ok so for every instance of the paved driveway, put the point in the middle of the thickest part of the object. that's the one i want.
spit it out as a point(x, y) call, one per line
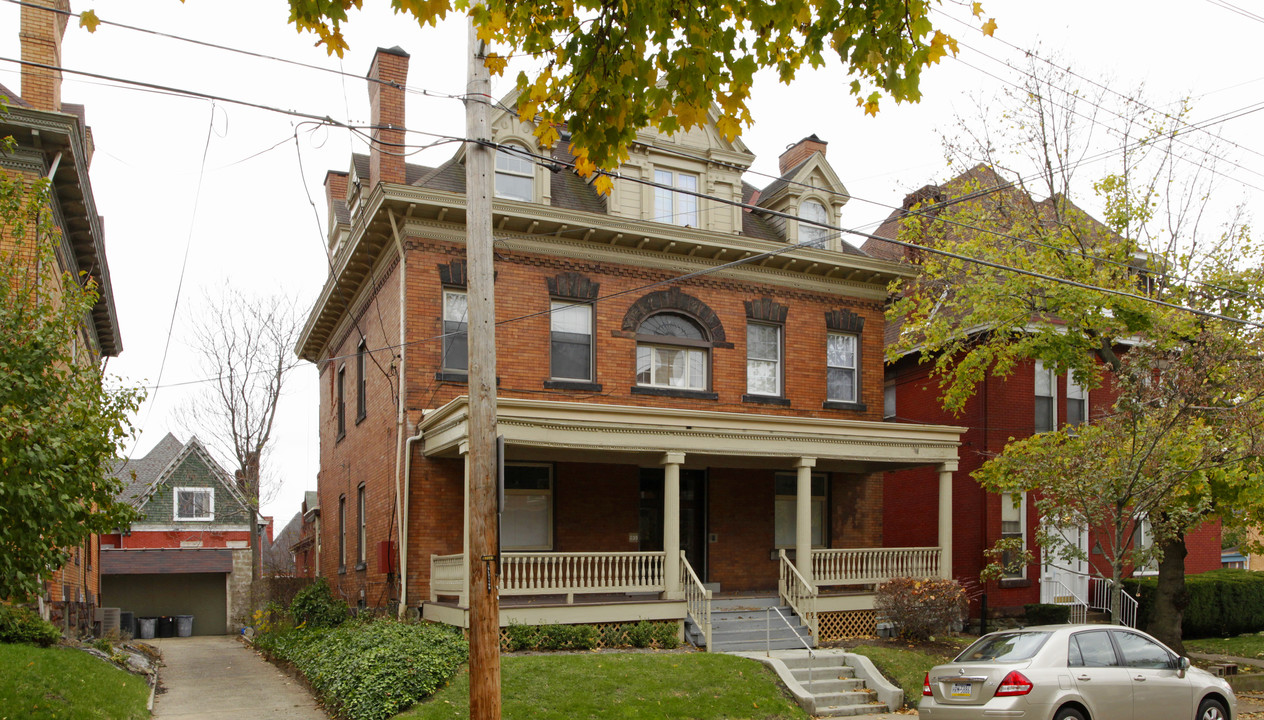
point(220, 678)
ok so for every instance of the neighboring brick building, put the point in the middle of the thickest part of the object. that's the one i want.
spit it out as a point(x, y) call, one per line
point(632, 357)
point(189, 553)
point(1029, 399)
point(54, 142)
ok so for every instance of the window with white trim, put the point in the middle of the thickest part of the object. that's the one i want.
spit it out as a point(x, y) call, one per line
point(342, 401)
point(526, 520)
point(672, 351)
point(362, 545)
point(196, 504)
point(763, 359)
point(342, 533)
point(1076, 401)
point(1046, 389)
point(1014, 525)
point(814, 234)
point(841, 367)
point(675, 207)
point(888, 401)
point(786, 510)
point(456, 326)
point(515, 176)
point(362, 397)
point(1143, 541)
point(570, 341)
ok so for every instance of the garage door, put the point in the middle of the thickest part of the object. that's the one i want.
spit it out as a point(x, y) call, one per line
point(202, 595)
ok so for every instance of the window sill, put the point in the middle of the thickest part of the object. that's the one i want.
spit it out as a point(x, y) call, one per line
point(840, 405)
point(1007, 583)
point(453, 377)
point(576, 385)
point(766, 400)
point(342, 569)
point(360, 566)
point(674, 392)
point(361, 418)
point(341, 435)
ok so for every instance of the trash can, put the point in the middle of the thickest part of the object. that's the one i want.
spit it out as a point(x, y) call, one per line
point(166, 626)
point(147, 627)
point(184, 625)
point(127, 624)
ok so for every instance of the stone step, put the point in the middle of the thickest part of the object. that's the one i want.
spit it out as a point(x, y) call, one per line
point(834, 664)
point(850, 710)
point(848, 697)
point(759, 634)
point(745, 602)
point(756, 645)
point(822, 682)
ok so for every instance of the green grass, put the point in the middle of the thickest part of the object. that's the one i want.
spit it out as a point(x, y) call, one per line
point(1247, 646)
point(905, 667)
point(65, 684)
point(624, 686)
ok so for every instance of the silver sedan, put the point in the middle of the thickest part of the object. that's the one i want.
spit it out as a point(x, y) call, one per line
point(1073, 672)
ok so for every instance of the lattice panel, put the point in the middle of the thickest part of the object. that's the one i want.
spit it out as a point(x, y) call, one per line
point(847, 624)
point(609, 635)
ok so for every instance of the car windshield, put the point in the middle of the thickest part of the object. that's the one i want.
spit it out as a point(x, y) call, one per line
point(1004, 647)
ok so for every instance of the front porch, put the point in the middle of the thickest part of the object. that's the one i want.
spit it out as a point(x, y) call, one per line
point(707, 503)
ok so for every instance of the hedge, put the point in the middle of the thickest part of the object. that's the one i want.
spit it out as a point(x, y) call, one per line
point(23, 625)
point(1222, 603)
point(587, 637)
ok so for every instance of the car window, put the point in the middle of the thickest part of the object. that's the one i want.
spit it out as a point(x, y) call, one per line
point(1004, 647)
point(1091, 649)
point(1142, 652)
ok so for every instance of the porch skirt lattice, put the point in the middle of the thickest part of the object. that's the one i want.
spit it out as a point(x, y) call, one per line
point(847, 624)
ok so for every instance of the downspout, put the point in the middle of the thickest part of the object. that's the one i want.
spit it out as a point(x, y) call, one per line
point(401, 504)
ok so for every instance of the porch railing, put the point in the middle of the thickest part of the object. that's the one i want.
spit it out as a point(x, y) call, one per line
point(697, 598)
point(795, 591)
point(1060, 594)
point(551, 573)
point(447, 576)
point(870, 566)
point(1100, 599)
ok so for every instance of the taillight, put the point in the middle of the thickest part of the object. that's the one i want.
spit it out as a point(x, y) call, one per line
point(926, 685)
point(1015, 683)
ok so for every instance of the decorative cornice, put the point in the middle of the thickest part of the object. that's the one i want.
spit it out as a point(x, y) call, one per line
point(844, 320)
point(766, 309)
point(574, 286)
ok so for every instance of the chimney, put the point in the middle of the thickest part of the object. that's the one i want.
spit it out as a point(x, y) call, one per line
point(41, 34)
point(795, 154)
point(386, 104)
point(335, 198)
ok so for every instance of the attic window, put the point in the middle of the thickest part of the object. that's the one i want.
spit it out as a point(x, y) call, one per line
point(195, 504)
point(814, 235)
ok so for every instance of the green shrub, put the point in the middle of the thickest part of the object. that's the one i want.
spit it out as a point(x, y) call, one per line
point(641, 634)
point(522, 637)
point(1222, 603)
point(315, 606)
point(1047, 614)
point(666, 635)
point(921, 607)
point(23, 625)
point(373, 670)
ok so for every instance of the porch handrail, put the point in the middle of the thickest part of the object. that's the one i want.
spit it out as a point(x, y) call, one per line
point(1100, 600)
point(1078, 605)
point(697, 598)
point(871, 566)
point(553, 573)
point(795, 591)
point(447, 575)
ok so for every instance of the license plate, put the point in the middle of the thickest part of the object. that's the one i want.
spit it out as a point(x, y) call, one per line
point(961, 690)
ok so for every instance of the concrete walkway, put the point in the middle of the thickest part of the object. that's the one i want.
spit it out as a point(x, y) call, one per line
point(220, 678)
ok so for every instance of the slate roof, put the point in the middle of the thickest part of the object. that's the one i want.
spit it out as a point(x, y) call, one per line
point(754, 225)
point(13, 98)
point(146, 469)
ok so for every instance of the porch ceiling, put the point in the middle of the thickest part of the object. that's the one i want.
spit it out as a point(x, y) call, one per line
point(583, 432)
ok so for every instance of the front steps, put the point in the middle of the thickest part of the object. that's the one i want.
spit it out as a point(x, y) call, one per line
point(834, 683)
point(748, 624)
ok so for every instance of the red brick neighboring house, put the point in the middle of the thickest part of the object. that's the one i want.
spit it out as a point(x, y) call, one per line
point(632, 399)
point(306, 548)
point(1031, 399)
point(54, 142)
point(189, 553)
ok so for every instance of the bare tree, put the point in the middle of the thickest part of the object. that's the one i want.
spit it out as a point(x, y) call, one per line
point(246, 346)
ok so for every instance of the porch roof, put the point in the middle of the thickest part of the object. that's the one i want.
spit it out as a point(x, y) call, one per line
point(592, 432)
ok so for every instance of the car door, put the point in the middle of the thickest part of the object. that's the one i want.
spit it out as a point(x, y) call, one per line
point(1099, 676)
point(1160, 691)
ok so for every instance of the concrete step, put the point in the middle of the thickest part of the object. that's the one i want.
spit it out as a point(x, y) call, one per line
point(850, 710)
point(849, 697)
point(744, 602)
point(833, 664)
point(819, 685)
point(755, 645)
point(734, 635)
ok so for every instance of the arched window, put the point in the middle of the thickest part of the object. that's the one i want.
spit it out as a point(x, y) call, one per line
point(672, 351)
point(515, 176)
point(815, 234)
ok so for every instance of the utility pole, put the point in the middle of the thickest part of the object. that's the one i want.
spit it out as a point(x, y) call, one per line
point(481, 301)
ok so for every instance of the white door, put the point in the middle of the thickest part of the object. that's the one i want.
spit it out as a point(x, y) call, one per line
point(1061, 577)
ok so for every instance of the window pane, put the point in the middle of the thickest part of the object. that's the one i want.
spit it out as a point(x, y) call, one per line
point(644, 363)
point(527, 477)
point(1140, 652)
point(193, 504)
point(888, 401)
point(1044, 414)
point(1095, 649)
point(761, 377)
point(687, 205)
point(841, 384)
point(663, 206)
point(525, 521)
point(1044, 380)
point(814, 211)
point(455, 346)
point(570, 356)
point(671, 325)
point(697, 369)
point(763, 342)
point(786, 511)
point(571, 318)
point(513, 187)
point(841, 351)
point(455, 307)
point(1075, 411)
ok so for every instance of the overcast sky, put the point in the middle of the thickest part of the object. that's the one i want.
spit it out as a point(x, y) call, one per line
point(230, 186)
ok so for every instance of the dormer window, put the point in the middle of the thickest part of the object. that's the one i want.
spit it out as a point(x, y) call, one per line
point(515, 176)
point(675, 207)
point(814, 235)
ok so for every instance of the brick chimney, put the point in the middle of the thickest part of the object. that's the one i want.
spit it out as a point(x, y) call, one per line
point(800, 151)
point(41, 34)
point(335, 198)
point(386, 104)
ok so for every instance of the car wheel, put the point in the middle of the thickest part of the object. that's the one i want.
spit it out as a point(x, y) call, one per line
point(1070, 713)
point(1211, 710)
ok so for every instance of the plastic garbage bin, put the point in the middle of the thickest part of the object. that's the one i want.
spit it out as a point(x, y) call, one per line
point(166, 626)
point(148, 625)
point(184, 625)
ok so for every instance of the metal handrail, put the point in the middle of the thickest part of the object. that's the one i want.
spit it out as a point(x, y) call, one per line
point(1100, 600)
point(768, 638)
point(1079, 607)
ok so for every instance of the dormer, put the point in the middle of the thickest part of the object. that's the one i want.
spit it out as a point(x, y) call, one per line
point(810, 189)
point(339, 212)
point(520, 173)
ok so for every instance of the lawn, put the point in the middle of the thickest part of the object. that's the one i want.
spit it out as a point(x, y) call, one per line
point(906, 665)
point(1247, 646)
point(65, 684)
point(624, 686)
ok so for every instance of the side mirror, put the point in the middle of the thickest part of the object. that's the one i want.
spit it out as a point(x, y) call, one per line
point(1181, 666)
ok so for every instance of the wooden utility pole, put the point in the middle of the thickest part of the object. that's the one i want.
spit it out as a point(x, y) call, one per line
point(481, 300)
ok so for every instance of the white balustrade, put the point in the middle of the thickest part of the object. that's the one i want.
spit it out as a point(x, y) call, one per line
point(447, 575)
point(550, 573)
point(870, 566)
point(697, 598)
point(795, 591)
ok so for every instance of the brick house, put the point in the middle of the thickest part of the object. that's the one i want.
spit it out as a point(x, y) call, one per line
point(646, 383)
point(306, 548)
point(54, 142)
point(189, 553)
point(1029, 400)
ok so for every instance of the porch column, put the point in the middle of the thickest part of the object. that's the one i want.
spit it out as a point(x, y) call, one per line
point(463, 598)
point(945, 519)
point(803, 518)
point(671, 524)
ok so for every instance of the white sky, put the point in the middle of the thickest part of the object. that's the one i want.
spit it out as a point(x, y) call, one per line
point(253, 226)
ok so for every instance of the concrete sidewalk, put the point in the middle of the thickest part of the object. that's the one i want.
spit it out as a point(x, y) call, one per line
point(220, 678)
